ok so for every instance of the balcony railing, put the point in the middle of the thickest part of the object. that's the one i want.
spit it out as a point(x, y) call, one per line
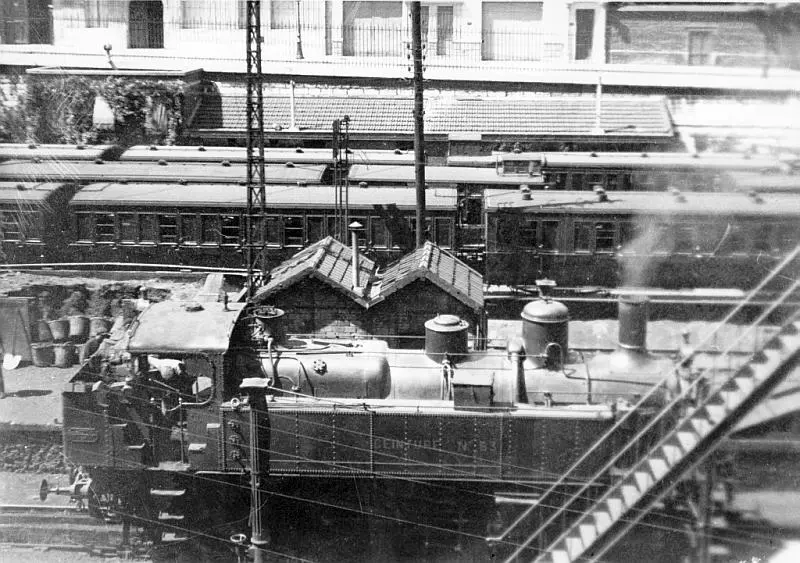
point(189, 35)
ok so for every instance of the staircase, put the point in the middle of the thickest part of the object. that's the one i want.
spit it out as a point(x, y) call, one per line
point(584, 524)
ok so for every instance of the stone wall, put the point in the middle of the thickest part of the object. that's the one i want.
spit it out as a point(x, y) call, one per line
point(663, 38)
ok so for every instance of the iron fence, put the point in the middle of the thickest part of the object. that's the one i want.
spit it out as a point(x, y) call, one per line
point(199, 32)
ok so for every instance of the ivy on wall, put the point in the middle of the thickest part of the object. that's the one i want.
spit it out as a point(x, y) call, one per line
point(12, 113)
point(60, 110)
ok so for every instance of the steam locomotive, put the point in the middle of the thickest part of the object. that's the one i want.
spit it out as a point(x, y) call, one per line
point(214, 413)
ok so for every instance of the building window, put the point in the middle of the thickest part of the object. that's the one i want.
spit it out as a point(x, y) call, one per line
point(699, 47)
point(241, 13)
point(192, 14)
point(93, 9)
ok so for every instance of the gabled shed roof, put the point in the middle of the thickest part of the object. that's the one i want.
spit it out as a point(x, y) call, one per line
point(437, 266)
point(328, 261)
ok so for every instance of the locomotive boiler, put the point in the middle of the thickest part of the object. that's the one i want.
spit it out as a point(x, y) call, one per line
point(216, 415)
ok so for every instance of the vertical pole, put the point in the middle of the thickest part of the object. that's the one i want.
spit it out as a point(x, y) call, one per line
point(299, 54)
point(292, 118)
point(598, 104)
point(256, 198)
point(419, 120)
point(258, 425)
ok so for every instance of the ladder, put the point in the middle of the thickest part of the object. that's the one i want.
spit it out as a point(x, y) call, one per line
point(585, 523)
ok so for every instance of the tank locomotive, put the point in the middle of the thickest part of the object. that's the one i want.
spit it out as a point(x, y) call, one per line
point(212, 395)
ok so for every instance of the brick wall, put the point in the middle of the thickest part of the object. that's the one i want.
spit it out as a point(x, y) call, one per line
point(663, 38)
point(313, 307)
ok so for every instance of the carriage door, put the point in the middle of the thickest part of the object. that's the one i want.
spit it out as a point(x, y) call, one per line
point(145, 25)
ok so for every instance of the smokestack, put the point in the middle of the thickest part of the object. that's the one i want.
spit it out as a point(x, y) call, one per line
point(633, 323)
point(354, 227)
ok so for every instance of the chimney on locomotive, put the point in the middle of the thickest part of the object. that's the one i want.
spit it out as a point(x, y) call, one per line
point(268, 324)
point(633, 318)
point(545, 330)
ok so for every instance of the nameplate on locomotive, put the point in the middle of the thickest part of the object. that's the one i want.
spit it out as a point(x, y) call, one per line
point(81, 435)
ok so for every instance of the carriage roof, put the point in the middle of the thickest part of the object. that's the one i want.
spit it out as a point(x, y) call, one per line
point(277, 196)
point(435, 174)
point(656, 203)
point(143, 153)
point(20, 151)
point(98, 171)
point(27, 192)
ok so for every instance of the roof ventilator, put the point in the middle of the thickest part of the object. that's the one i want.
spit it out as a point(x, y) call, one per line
point(601, 193)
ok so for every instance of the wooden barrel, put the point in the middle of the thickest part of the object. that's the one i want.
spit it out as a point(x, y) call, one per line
point(59, 328)
point(42, 354)
point(64, 354)
point(78, 328)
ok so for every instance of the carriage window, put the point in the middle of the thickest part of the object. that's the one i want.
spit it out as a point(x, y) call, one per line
point(612, 182)
point(362, 232)
point(628, 232)
point(642, 181)
point(256, 224)
point(763, 241)
point(661, 181)
point(471, 211)
point(127, 227)
point(104, 226)
point(604, 236)
point(684, 239)
point(549, 240)
point(786, 236)
point(293, 230)
point(9, 226)
point(515, 166)
point(31, 226)
point(707, 236)
point(583, 236)
point(444, 232)
point(577, 182)
point(593, 180)
point(660, 237)
point(315, 229)
point(507, 225)
point(189, 229)
point(733, 240)
point(556, 179)
point(274, 231)
point(379, 237)
point(84, 226)
point(147, 227)
point(230, 229)
point(209, 229)
point(168, 228)
point(527, 232)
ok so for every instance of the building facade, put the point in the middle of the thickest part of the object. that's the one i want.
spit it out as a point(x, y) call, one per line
point(458, 33)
